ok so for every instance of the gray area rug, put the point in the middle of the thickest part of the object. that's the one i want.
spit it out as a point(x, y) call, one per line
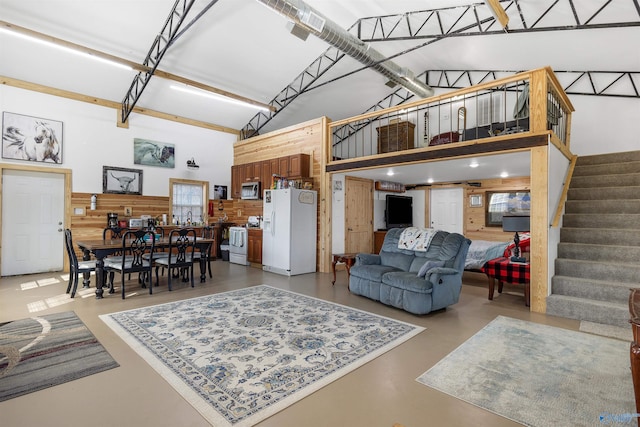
point(539, 375)
point(44, 351)
point(239, 357)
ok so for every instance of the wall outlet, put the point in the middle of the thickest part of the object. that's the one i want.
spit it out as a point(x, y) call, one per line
point(128, 211)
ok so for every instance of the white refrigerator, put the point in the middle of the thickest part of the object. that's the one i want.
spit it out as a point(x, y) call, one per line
point(289, 231)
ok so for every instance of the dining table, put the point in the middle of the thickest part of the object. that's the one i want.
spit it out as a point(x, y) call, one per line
point(101, 249)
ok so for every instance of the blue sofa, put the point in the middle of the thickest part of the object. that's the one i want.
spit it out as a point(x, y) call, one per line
point(392, 276)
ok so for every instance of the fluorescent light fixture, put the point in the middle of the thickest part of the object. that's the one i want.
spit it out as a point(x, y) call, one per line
point(65, 48)
point(205, 94)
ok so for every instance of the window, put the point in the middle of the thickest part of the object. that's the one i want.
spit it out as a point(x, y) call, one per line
point(188, 199)
point(508, 203)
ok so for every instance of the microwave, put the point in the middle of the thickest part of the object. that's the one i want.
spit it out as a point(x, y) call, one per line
point(250, 191)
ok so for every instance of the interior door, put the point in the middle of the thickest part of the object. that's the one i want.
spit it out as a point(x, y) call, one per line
point(32, 222)
point(447, 209)
point(358, 217)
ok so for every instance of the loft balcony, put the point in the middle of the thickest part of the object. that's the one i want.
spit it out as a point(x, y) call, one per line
point(518, 112)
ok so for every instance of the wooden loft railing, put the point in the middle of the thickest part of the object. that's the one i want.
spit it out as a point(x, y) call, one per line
point(516, 112)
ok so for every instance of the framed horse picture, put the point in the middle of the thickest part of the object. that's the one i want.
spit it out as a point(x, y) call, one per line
point(31, 138)
point(121, 180)
point(153, 153)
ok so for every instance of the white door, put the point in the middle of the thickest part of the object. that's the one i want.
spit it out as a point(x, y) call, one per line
point(32, 222)
point(447, 209)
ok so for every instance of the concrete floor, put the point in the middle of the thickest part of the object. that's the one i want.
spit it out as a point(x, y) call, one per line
point(380, 393)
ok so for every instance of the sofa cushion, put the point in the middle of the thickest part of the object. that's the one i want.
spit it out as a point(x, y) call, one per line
point(372, 272)
point(428, 265)
point(407, 281)
point(398, 260)
point(450, 248)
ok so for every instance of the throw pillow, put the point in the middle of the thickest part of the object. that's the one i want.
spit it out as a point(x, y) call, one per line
point(428, 266)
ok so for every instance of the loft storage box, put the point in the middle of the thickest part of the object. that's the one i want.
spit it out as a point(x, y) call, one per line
point(396, 136)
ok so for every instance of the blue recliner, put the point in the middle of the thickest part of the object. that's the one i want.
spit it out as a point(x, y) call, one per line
point(415, 281)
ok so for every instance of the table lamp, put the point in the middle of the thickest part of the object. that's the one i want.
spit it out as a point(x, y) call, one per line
point(516, 223)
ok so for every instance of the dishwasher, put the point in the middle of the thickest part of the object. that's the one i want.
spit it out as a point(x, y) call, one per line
point(238, 245)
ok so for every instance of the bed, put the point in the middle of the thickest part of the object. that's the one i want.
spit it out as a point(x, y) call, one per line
point(481, 251)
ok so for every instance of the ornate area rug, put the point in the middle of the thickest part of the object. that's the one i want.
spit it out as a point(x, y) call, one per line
point(539, 375)
point(44, 351)
point(240, 356)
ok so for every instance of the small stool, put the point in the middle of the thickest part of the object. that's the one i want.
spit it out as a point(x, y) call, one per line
point(347, 259)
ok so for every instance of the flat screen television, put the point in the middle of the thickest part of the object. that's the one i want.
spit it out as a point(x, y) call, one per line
point(399, 211)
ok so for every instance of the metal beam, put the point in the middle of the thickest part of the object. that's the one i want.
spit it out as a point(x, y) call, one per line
point(155, 54)
point(460, 21)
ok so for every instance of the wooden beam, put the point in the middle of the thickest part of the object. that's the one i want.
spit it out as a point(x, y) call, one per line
point(134, 65)
point(112, 104)
point(498, 12)
point(539, 229)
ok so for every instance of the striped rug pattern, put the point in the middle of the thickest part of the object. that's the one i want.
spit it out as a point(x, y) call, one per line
point(44, 351)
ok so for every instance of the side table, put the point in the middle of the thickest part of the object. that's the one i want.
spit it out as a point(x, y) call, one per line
point(347, 259)
point(503, 270)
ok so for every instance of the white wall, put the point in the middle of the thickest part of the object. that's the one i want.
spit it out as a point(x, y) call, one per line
point(603, 124)
point(91, 140)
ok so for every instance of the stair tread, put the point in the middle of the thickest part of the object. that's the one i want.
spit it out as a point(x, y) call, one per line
point(598, 281)
point(610, 304)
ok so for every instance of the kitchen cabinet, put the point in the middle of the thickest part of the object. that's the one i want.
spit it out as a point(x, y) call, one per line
point(396, 137)
point(299, 166)
point(295, 166)
point(266, 175)
point(254, 245)
point(236, 181)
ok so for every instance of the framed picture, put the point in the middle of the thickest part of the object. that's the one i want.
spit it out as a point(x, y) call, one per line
point(121, 181)
point(220, 192)
point(475, 200)
point(153, 153)
point(31, 138)
point(506, 203)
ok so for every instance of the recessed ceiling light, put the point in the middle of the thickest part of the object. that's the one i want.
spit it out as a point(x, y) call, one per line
point(430, 180)
point(390, 173)
point(474, 164)
point(504, 175)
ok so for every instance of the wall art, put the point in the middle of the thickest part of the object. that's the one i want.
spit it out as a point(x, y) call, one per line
point(31, 138)
point(121, 180)
point(153, 153)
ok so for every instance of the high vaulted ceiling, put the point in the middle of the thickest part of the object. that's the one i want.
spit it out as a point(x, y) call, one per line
point(245, 48)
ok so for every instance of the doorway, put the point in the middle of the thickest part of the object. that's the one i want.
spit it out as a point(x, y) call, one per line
point(358, 215)
point(34, 205)
point(446, 209)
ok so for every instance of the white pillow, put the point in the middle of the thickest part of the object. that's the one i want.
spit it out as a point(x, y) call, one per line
point(428, 266)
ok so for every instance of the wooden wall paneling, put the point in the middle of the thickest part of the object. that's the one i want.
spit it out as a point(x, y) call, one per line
point(540, 229)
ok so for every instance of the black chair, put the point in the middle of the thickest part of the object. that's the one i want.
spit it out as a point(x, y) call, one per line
point(75, 267)
point(135, 244)
point(111, 233)
point(182, 243)
point(204, 256)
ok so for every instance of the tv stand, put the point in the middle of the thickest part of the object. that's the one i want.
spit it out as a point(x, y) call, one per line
point(378, 240)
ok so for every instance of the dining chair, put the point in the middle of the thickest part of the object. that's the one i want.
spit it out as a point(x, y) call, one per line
point(75, 267)
point(182, 243)
point(203, 256)
point(135, 244)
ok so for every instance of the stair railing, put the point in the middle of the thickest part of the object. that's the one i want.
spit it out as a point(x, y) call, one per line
point(565, 191)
